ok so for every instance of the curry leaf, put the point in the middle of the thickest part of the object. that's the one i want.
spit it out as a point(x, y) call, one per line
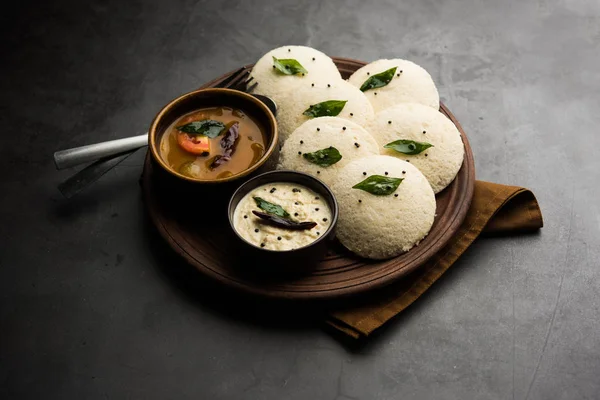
point(379, 185)
point(270, 207)
point(329, 108)
point(409, 147)
point(379, 80)
point(324, 157)
point(289, 66)
point(206, 127)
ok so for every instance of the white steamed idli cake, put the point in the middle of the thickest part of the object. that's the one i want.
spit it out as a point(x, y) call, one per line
point(292, 106)
point(410, 83)
point(383, 226)
point(274, 83)
point(314, 138)
point(416, 122)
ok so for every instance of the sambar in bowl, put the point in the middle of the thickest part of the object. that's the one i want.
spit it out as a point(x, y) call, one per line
point(214, 136)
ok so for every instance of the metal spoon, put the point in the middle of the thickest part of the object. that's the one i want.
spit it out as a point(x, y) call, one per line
point(93, 172)
point(92, 152)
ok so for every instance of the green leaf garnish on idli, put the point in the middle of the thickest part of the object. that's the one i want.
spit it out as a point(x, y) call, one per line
point(379, 185)
point(408, 146)
point(379, 80)
point(288, 66)
point(324, 157)
point(330, 108)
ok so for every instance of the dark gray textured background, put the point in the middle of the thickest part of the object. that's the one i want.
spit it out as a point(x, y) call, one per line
point(93, 306)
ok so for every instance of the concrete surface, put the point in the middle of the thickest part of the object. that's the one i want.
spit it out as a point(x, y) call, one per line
point(93, 305)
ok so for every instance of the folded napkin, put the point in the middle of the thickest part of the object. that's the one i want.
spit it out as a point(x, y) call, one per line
point(495, 209)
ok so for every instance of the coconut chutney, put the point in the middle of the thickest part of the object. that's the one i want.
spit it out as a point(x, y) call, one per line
point(288, 201)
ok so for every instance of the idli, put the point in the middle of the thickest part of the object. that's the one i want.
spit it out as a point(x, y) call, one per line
point(285, 68)
point(386, 206)
point(424, 137)
point(389, 82)
point(322, 146)
point(312, 100)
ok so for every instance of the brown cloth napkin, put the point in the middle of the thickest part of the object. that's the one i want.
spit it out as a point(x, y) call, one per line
point(495, 209)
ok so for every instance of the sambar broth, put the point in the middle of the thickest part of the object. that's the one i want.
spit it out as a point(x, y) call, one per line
point(248, 149)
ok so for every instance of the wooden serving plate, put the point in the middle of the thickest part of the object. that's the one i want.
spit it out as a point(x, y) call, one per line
point(211, 250)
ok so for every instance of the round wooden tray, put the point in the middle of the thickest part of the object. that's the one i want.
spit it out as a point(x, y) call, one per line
point(340, 273)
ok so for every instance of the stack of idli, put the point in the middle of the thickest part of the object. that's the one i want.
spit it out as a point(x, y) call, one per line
point(378, 139)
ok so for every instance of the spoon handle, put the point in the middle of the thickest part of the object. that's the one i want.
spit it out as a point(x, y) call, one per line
point(80, 155)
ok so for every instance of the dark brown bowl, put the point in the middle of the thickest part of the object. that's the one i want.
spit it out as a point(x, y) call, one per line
point(214, 98)
point(303, 258)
